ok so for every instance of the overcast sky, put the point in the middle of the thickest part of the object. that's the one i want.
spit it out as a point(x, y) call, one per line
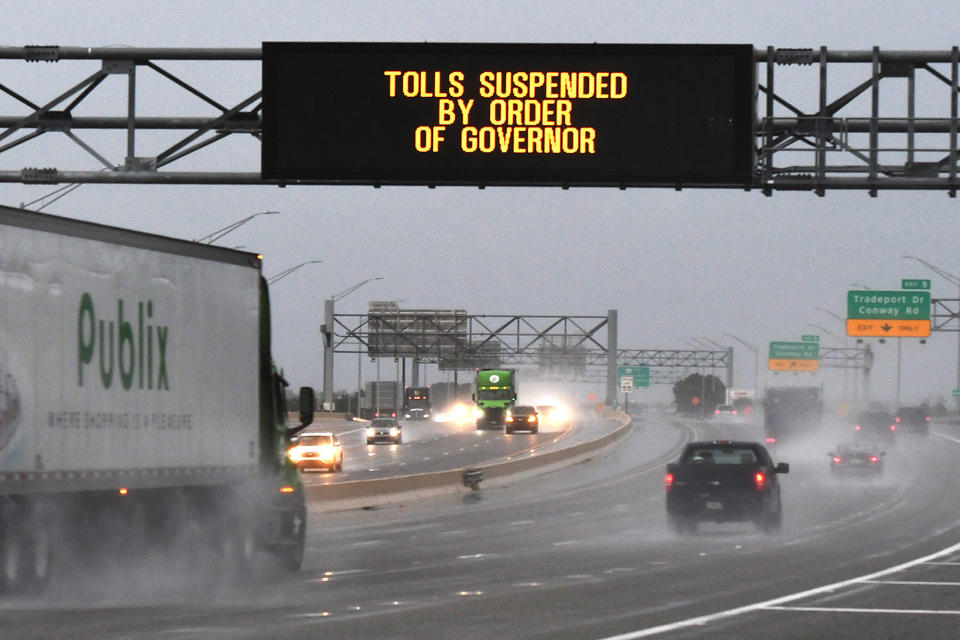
point(676, 265)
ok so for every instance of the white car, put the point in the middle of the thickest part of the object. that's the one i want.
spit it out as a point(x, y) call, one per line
point(317, 451)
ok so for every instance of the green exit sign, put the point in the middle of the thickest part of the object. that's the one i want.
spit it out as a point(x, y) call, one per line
point(640, 375)
point(794, 350)
point(914, 284)
point(888, 305)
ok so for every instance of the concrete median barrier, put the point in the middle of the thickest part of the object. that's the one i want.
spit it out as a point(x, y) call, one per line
point(380, 492)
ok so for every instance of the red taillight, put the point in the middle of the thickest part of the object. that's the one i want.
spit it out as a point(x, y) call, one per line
point(893, 427)
point(393, 415)
point(734, 412)
point(897, 418)
point(761, 480)
point(837, 459)
point(771, 440)
point(717, 412)
point(928, 418)
point(857, 427)
point(669, 480)
point(874, 459)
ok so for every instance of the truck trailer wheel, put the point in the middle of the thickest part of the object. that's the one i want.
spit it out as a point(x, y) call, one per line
point(290, 552)
point(239, 549)
point(11, 558)
point(38, 558)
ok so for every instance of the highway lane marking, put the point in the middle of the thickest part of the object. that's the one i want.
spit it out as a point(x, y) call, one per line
point(921, 612)
point(773, 604)
point(917, 583)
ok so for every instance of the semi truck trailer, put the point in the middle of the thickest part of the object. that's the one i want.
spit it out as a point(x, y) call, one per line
point(791, 412)
point(416, 405)
point(139, 403)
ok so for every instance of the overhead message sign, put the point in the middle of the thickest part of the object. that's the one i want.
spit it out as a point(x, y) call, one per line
point(794, 356)
point(508, 114)
point(882, 314)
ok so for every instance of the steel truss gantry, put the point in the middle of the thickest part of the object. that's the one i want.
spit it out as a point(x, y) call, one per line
point(845, 139)
point(945, 314)
point(569, 348)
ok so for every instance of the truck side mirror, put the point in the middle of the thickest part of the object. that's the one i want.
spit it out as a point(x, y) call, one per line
point(672, 467)
point(307, 405)
point(473, 397)
point(783, 467)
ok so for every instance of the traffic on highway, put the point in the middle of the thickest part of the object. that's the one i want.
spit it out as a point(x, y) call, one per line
point(586, 550)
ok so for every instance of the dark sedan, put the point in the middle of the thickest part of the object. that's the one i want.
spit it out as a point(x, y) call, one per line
point(522, 418)
point(384, 430)
point(856, 458)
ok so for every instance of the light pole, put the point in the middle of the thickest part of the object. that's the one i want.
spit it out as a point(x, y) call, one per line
point(843, 323)
point(729, 351)
point(756, 361)
point(955, 281)
point(283, 274)
point(820, 327)
point(326, 330)
point(210, 238)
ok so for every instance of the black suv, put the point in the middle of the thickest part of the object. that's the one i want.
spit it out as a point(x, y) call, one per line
point(914, 419)
point(875, 424)
point(724, 481)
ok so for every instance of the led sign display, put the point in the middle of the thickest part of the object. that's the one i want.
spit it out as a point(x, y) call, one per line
point(508, 114)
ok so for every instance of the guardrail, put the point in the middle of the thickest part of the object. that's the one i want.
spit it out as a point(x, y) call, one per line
point(343, 496)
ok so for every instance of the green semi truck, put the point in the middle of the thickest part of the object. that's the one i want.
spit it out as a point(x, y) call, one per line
point(496, 392)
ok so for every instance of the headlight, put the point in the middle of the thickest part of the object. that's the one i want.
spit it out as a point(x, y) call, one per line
point(326, 452)
point(371, 432)
point(294, 453)
point(393, 432)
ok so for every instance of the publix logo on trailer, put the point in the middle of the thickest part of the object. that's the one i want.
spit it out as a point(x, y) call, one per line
point(494, 378)
point(136, 353)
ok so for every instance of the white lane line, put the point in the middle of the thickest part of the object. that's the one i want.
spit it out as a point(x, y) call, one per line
point(914, 583)
point(913, 612)
point(700, 621)
point(944, 564)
